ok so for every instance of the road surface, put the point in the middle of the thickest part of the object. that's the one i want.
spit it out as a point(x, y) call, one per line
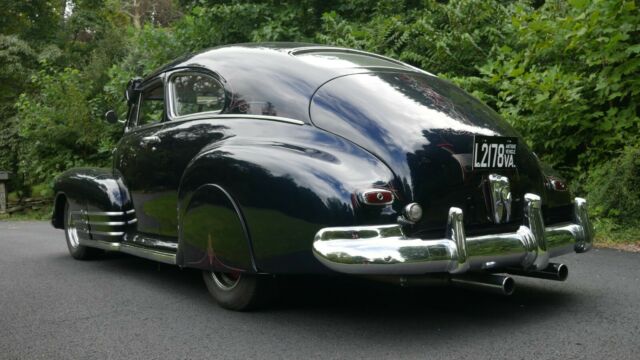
point(120, 307)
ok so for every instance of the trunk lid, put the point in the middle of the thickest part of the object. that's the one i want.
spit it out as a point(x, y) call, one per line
point(423, 128)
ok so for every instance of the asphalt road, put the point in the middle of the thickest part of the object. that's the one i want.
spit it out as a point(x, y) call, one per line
point(119, 307)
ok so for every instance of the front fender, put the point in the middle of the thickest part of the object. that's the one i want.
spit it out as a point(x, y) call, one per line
point(288, 189)
point(98, 195)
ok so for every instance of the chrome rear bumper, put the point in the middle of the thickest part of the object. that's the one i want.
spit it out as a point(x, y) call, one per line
point(385, 250)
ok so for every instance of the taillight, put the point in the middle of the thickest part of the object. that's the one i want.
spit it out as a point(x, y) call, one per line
point(556, 184)
point(376, 197)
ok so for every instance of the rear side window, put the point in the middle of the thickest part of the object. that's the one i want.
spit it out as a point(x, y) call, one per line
point(196, 93)
point(151, 109)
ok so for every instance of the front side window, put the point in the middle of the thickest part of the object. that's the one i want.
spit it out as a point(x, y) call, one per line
point(195, 93)
point(151, 109)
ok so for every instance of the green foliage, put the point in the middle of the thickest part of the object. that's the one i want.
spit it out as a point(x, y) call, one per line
point(614, 188)
point(33, 21)
point(17, 59)
point(146, 50)
point(569, 79)
point(565, 73)
point(220, 24)
point(58, 128)
point(614, 195)
point(448, 38)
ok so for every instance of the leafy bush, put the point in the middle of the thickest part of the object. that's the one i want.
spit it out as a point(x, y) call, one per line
point(58, 128)
point(17, 58)
point(569, 79)
point(448, 38)
point(565, 73)
point(614, 188)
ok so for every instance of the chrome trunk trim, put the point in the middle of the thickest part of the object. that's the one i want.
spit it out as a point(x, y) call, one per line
point(385, 250)
point(500, 196)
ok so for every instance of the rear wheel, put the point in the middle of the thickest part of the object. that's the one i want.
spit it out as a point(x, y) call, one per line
point(236, 291)
point(77, 251)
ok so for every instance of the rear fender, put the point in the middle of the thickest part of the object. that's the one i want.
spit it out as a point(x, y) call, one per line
point(284, 191)
point(213, 234)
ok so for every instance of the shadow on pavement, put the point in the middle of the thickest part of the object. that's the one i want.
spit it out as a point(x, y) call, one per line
point(347, 298)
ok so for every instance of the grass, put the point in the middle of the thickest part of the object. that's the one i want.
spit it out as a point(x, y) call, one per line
point(38, 212)
point(43, 213)
point(616, 236)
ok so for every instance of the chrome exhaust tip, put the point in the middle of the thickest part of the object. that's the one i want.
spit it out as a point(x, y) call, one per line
point(497, 284)
point(557, 272)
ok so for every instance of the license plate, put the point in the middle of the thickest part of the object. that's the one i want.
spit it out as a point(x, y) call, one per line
point(494, 152)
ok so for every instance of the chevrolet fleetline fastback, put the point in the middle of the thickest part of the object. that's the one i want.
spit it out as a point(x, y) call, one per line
point(258, 160)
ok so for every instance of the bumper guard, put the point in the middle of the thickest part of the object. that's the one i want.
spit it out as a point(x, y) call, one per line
point(385, 250)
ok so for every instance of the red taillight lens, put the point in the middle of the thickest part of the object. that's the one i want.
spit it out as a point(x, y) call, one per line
point(376, 197)
point(556, 184)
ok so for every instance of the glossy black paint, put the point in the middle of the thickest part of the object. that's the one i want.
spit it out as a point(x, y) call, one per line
point(92, 189)
point(248, 194)
point(212, 221)
point(423, 127)
point(288, 180)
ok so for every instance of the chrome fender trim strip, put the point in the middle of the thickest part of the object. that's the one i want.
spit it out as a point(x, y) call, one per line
point(98, 225)
point(151, 254)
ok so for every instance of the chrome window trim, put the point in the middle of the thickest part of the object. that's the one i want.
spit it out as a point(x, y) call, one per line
point(214, 115)
point(146, 87)
point(320, 49)
point(170, 93)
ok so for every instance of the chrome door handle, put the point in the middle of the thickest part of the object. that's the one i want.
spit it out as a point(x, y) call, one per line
point(149, 140)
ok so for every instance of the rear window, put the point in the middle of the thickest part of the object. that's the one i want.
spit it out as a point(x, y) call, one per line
point(346, 59)
point(387, 112)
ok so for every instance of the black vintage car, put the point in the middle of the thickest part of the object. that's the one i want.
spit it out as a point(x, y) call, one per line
point(257, 160)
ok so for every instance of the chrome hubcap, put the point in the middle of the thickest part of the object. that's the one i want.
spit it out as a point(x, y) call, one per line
point(72, 232)
point(226, 281)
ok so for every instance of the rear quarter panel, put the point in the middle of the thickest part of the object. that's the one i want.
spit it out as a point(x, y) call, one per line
point(288, 182)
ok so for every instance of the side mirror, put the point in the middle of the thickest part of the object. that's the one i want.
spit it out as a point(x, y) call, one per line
point(132, 92)
point(111, 117)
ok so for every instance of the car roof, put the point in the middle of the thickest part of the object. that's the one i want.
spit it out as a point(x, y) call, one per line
point(264, 53)
point(273, 72)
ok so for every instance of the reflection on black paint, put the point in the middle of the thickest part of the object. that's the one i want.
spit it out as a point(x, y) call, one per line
point(423, 128)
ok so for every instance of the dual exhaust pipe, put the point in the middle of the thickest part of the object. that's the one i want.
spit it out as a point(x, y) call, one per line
point(497, 284)
point(504, 284)
point(493, 283)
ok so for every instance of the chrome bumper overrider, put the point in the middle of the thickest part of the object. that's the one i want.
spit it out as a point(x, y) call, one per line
point(385, 250)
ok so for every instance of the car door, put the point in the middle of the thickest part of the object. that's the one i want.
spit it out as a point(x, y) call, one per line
point(194, 99)
point(143, 164)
